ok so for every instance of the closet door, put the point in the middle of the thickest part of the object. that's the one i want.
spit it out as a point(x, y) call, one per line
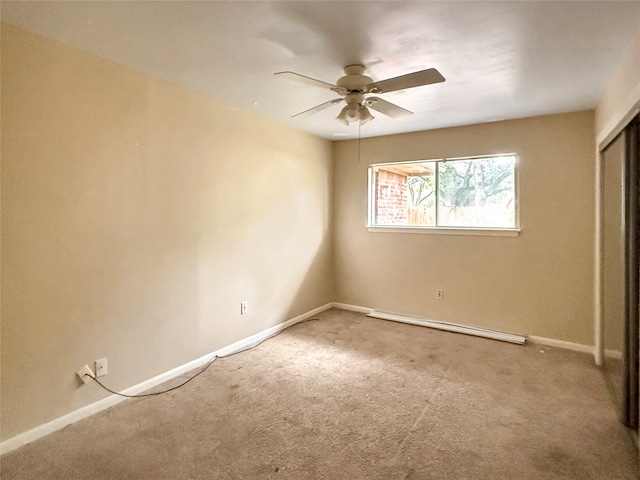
point(620, 269)
point(613, 266)
point(632, 270)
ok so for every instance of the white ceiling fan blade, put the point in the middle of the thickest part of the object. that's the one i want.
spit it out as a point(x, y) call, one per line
point(304, 79)
point(410, 80)
point(387, 108)
point(318, 108)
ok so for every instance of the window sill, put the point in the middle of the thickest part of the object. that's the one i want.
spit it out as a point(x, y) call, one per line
point(488, 232)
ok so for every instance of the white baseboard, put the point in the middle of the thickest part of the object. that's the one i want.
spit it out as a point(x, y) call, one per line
point(615, 354)
point(450, 327)
point(551, 342)
point(108, 402)
point(84, 412)
point(352, 308)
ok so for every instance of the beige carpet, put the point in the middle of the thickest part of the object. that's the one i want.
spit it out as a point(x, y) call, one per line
point(349, 397)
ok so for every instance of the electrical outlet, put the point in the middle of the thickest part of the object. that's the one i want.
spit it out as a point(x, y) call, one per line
point(440, 294)
point(243, 308)
point(101, 367)
point(84, 373)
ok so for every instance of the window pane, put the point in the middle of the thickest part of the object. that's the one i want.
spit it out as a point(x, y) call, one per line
point(404, 194)
point(477, 192)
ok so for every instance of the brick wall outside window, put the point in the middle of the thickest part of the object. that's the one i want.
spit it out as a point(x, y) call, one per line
point(391, 198)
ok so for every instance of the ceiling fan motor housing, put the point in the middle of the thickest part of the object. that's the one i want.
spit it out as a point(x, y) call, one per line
point(354, 80)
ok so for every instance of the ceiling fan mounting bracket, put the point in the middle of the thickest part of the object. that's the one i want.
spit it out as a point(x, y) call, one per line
point(355, 69)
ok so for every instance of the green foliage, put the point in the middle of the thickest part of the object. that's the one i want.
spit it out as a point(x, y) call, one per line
point(464, 183)
point(421, 191)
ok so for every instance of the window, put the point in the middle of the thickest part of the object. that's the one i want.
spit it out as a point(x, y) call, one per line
point(467, 193)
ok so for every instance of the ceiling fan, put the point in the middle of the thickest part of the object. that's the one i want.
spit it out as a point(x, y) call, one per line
point(355, 89)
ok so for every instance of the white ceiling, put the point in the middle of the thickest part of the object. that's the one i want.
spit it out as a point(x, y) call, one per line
point(501, 60)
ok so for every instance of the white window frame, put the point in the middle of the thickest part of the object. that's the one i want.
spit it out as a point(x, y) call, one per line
point(445, 230)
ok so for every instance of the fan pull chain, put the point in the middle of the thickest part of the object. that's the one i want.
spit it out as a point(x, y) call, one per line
point(359, 142)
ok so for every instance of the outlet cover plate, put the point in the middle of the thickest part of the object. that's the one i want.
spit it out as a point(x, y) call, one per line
point(101, 367)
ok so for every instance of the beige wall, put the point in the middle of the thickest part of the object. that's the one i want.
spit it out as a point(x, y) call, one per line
point(622, 93)
point(136, 215)
point(539, 283)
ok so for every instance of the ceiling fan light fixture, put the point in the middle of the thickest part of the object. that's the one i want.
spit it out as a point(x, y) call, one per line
point(342, 116)
point(365, 115)
point(351, 113)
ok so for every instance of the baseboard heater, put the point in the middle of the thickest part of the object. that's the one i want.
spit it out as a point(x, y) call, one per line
point(449, 327)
